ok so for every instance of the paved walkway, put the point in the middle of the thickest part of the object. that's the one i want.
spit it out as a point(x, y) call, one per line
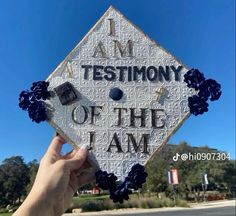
point(133, 211)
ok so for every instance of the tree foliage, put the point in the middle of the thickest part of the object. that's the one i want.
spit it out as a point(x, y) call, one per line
point(221, 173)
point(16, 178)
point(33, 167)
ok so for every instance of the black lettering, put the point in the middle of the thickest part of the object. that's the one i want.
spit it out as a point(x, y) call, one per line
point(177, 71)
point(119, 122)
point(112, 27)
point(86, 70)
point(91, 140)
point(136, 146)
point(122, 70)
point(93, 113)
point(155, 117)
point(164, 73)
point(99, 51)
point(152, 73)
point(129, 73)
point(74, 111)
point(126, 51)
point(96, 73)
point(142, 117)
point(110, 74)
point(116, 144)
point(139, 71)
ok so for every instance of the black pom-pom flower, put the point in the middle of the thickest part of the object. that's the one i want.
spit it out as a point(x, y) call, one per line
point(210, 89)
point(104, 180)
point(119, 193)
point(32, 101)
point(194, 78)
point(24, 100)
point(207, 89)
point(37, 111)
point(136, 177)
point(40, 90)
point(197, 105)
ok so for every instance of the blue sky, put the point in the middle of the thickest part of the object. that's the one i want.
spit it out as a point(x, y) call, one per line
point(35, 36)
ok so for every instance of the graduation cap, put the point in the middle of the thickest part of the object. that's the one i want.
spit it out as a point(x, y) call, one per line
point(121, 93)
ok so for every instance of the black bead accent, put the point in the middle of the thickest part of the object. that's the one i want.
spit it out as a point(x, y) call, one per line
point(116, 94)
point(66, 93)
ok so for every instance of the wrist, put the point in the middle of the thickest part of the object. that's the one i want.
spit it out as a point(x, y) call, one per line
point(35, 204)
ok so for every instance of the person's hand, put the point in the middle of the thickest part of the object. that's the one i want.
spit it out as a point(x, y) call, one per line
point(57, 180)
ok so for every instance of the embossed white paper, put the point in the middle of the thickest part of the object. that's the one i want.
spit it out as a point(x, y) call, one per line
point(115, 53)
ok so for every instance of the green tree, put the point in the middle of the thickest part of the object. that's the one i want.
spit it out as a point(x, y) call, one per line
point(157, 169)
point(33, 167)
point(220, 172)
point(14, 179)
point(230, 177)
point(2, 189)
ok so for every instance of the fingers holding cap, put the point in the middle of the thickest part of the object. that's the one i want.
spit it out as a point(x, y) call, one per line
point(85, 179)
point(79, 158)
point(56, 144)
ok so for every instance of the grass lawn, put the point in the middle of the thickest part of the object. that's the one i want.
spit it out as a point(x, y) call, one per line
point(88, 202)
point(91, 197)
point(88, 197)
point(5, 214)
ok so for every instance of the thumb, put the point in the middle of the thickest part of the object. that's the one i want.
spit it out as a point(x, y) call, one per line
point(77, 161)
